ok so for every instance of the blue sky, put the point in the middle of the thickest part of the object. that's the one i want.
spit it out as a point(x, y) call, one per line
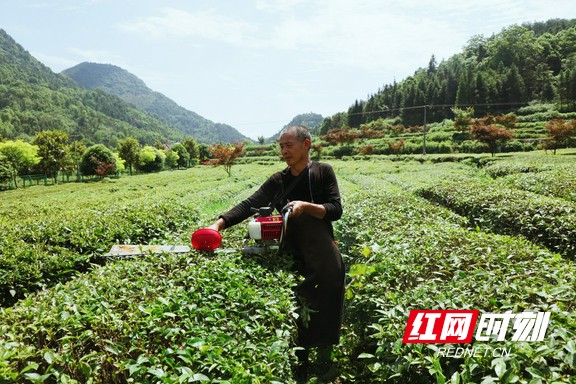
point(255, 64)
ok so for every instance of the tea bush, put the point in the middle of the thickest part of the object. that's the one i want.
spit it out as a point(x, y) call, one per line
point(163, 318)
point(541, 219)
point(49, 234)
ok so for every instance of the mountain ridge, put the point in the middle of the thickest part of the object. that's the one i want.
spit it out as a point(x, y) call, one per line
point(128, 87)
point(33, 98)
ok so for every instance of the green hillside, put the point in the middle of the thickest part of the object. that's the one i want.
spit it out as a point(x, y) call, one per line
point(33, 98)
point(119, 82)
point(523, 65)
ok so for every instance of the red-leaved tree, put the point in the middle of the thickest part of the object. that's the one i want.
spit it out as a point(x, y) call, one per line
point(493, 135)
point(559, 132)
point(226, 155)
point(102, 168)
point(396, 147)
point(340, 136)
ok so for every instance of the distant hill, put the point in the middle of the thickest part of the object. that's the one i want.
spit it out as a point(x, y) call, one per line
point(121, 83)
point(311, 120)
point(33, 98)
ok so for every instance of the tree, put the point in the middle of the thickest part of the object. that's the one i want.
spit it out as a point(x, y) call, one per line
point(226, 155)
point(128, 151)
point(355, 114)
point(53, 148)
point(336, 121)
point(396, 147)
point(204, 153)
point(317, 149)
point(559, 133)
point(261, 140)
point(5, 171)
point(171, 159)
point(98, 160)
point(73, 158)
point(465, 92)
point(341, 137)
point(192, 148)
point(513, 86)
point(493, 135)
point(183, 155)
point(507, 121)
point(18, 155)
point(120, 162)
point(462, 118)
point(432, 65)
point(150, 159)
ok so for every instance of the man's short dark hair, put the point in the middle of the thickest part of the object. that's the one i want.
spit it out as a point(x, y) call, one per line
point(300, 131)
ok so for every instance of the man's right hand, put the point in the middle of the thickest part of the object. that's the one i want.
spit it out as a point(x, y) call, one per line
point(218, 225)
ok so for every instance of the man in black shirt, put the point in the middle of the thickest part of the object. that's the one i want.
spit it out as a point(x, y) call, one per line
point(315, 202)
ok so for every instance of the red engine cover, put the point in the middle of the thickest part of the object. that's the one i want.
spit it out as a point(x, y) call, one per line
point(271, 227)
point(206, 239)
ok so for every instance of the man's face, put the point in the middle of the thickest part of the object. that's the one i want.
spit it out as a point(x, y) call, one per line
point(294, 151)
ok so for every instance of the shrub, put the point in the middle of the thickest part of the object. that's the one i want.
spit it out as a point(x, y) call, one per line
point(98, 160)
point(150, 159)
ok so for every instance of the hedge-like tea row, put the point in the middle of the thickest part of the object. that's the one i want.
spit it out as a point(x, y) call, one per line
point(553, 176)
point(51, 233)
point(554, 183)
point(160, 318)
point(541, 219)
point(524, 163)
point(407, 253)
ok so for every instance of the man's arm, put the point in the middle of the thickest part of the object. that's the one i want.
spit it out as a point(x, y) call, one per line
point(333, 203)
point(262, 197)
point(331, 208)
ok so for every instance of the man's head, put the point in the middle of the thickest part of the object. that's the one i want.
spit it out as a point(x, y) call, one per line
point(300, 131)
point(295, 142)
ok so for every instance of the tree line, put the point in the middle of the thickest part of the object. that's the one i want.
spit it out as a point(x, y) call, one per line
point(492, 131)
point(51, 152)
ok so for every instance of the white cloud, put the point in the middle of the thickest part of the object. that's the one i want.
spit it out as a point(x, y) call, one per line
point(279, 5)
point(205, 24)
point(362, 34)
point(365, 34)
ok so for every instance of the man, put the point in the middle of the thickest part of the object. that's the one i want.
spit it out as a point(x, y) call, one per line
point(311, 190)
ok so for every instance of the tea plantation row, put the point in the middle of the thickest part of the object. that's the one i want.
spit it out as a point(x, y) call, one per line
point(50, 233)
point(414, 254)
point(228, 318)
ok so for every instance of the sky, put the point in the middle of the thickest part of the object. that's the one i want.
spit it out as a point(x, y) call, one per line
point(256, 64)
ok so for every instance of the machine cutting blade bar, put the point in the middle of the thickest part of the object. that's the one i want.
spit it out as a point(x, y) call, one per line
point(124, 250)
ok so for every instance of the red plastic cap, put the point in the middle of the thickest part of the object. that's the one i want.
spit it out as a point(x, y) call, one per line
point(206, 239)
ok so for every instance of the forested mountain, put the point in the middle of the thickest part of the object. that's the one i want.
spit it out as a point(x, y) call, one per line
point(532, 63)
point(33, 98)
point(119, 82)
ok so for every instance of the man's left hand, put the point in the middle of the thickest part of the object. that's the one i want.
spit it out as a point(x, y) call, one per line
point(305, 208)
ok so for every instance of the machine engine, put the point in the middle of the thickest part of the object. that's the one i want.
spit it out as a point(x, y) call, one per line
point(265, 230)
